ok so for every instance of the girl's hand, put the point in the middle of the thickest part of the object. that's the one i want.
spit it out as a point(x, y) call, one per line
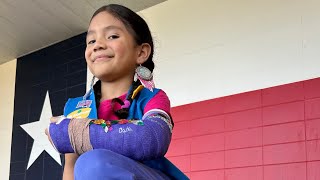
point(47, 133)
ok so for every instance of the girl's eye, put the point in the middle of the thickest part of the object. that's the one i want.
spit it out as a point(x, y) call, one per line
point(113, 37)
point(92, 41)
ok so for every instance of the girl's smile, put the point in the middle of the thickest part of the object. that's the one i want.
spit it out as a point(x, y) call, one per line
point(102, 58)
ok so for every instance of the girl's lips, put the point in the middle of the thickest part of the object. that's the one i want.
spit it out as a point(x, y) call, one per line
point(102, 58)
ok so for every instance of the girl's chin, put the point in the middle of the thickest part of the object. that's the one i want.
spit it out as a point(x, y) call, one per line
point(100, 71)
point(103, 76)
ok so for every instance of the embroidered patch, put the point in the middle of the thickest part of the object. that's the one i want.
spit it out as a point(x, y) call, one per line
point(80, 113)
point(84, 103)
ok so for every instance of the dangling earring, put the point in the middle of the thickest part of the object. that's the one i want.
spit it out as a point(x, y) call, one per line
point(145, 77)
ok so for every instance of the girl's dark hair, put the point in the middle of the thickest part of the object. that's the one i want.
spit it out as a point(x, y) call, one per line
point(140, 31)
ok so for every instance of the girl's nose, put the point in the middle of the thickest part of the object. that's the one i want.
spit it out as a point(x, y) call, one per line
point(100, 45)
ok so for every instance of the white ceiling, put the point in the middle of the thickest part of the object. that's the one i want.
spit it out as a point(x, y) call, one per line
point(30, 25)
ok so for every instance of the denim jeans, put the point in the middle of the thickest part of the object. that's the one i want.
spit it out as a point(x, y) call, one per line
point(102, 164)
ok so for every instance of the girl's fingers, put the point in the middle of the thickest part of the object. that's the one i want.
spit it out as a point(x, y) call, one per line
point(47, 133)
point(53, 119)
point(57, 119)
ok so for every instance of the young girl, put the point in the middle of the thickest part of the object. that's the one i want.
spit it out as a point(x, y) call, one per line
point(133, 132)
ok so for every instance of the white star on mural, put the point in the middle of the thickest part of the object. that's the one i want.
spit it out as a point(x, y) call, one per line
point(36, 131)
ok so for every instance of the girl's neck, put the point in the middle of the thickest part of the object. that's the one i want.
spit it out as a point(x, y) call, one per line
point(110, 90)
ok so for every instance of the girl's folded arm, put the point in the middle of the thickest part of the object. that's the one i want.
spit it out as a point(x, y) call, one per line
point(134, 140)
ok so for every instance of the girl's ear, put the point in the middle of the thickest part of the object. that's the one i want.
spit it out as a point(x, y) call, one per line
point(144, 53)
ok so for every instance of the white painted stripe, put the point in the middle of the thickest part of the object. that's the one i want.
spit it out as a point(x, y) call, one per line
point(7, 86)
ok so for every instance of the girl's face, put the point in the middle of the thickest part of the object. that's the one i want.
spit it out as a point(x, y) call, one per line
point(111, 52)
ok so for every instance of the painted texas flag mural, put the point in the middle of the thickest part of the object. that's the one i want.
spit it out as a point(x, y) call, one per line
point(36, 131)
point(44, 82)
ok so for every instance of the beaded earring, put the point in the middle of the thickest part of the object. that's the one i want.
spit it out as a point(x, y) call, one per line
point(145, 76)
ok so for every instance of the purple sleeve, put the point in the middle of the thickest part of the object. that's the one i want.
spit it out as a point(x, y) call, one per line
point(139, 142)
point(60, 136)
point(145, 142)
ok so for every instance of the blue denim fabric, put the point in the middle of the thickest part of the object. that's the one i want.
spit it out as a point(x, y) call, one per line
point(101, 164)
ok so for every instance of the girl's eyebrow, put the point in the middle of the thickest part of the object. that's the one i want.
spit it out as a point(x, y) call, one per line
point(108, 28)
